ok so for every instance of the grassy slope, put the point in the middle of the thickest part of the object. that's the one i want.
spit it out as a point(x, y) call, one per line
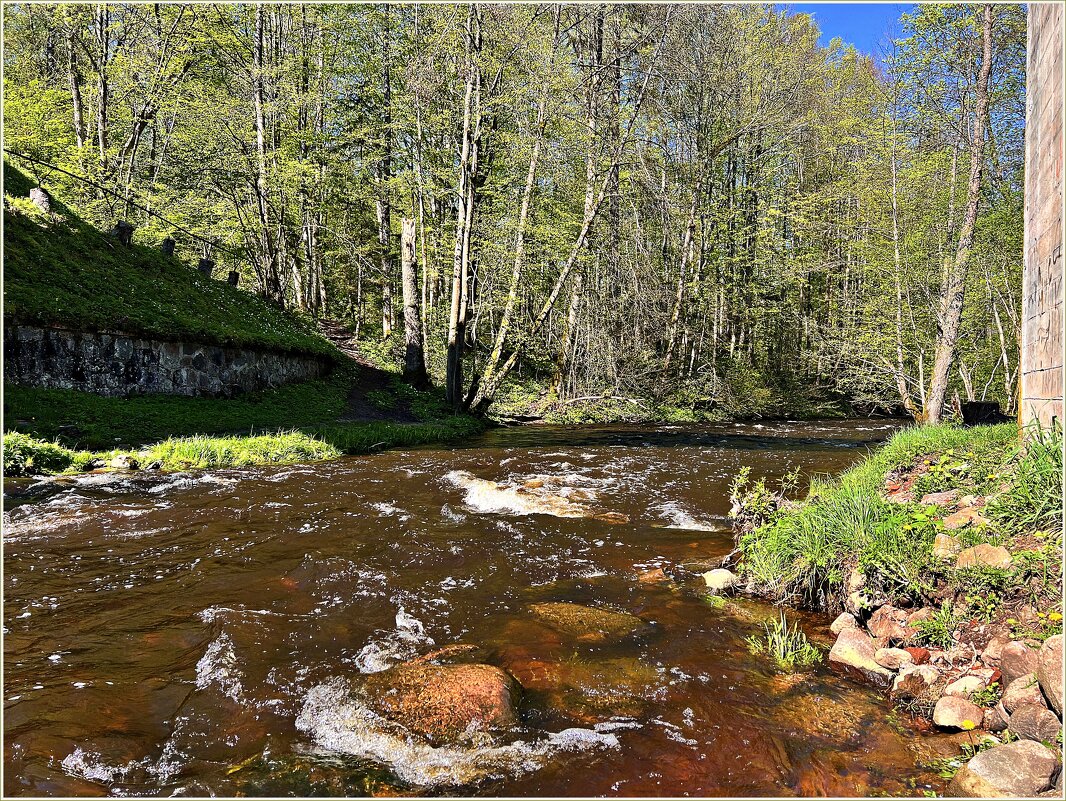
point(806, 553)
point(68, 273)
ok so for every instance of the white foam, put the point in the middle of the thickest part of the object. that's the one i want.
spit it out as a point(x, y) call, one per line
point(395, 646)
point(219, 665)
point(338, 721)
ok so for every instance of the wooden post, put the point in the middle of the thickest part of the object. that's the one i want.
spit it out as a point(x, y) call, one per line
point(414, 367)
point(234, 278)
point(206, 267)
point(124, 232)
point(167, 246)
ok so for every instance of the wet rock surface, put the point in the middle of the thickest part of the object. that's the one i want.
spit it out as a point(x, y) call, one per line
point(589, 624)
point(442, 702)
point(854, 654)
point(1017, 769)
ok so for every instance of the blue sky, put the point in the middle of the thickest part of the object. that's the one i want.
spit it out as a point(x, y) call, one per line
point(868, 26)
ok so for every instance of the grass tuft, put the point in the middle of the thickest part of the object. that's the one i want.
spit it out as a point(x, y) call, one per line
point(785, 644)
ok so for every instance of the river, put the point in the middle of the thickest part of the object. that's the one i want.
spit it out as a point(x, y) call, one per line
point(192, 634)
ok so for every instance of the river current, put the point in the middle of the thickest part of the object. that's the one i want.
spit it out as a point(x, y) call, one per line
point(193, 634)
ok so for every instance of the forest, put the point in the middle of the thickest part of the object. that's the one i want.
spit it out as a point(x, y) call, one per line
point(688, 210)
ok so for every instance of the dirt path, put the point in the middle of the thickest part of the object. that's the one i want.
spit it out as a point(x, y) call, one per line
point(367, 379)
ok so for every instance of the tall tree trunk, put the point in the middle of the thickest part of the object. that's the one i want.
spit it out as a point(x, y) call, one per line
point(954, 284)
point(468, 161)
point(75, 78)
point(384, 208)
point(414, 366)
point(267, 250)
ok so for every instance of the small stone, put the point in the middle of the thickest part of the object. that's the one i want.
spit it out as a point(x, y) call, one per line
point(654, 576)
point(946, 498)
point(1023, 690)
point(856, 580)
point(945, 546)
point(720, 579)
point(965, 687)
point(919, 655)
point(914, 681)
point(1016, 660)
point(984, 555)
point(156, 465)
point(997, 718)
point(843, 621)
point(952, 712)
point(1050, 671)
point(1024, 769)
point(892, 658)
point(972, 501)
point(994, 651)
point(1035, 722)
point(963, 518)
point(853, 655)
point(123, 462)
point(589, 624)
point(889, 623)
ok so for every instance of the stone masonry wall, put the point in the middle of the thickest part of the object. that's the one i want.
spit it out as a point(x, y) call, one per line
point(1042, 306)
point(119, 365)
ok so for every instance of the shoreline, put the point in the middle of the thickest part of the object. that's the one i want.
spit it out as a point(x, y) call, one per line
point(940, 554)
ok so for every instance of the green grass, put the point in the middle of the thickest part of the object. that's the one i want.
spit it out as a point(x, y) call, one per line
point(87, 421)
point(24, 455)
point(67, 272)
point(805, 554)
point(785, 644)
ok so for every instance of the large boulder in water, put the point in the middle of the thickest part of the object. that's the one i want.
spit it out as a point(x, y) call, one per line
point(588, 624)
point(442, 702)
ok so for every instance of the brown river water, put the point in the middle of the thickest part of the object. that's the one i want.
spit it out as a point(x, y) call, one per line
point(194, 634)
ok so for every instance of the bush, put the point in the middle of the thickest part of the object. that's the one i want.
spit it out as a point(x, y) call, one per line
point(26, 456)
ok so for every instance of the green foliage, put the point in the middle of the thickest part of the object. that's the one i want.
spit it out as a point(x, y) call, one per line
point(73, 275)
point(787, 645)
point(939, 628)
point(25, 456)
point(987, 697)
point(807, 552)
point(1033, 498)
point(185, 453)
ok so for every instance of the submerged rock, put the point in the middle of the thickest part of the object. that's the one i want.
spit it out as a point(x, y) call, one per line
point(1049, 672)
point(441, 702)
point(1023, 769)
point(588, 624)
point(853, 655)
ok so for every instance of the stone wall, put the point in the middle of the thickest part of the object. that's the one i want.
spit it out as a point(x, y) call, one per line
point(1042, 306)
point(119, 365)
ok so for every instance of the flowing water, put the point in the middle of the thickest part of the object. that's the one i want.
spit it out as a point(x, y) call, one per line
point(198, 634)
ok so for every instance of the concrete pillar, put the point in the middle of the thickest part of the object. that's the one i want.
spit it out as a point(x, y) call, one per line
point(1042, 285)
point(206, 267)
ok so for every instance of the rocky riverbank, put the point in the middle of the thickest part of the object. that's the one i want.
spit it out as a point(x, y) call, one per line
point(942, 554)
